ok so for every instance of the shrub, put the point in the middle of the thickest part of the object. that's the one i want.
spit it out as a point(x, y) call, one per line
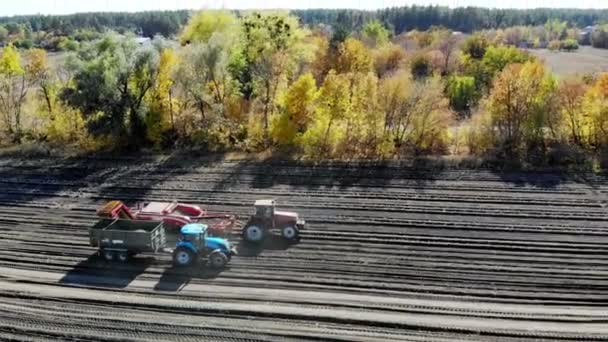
point(569, 45)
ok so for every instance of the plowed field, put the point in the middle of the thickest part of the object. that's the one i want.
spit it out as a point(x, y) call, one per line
point(390, 253)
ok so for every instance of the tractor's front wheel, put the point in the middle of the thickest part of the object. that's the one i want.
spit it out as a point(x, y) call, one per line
point(182, 257)
point(253, 233)
point(290, 233)
point(218, 259)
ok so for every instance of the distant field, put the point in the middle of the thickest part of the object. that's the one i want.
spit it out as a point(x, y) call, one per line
point(584, 61)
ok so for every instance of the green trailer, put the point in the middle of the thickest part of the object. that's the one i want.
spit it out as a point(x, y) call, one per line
point(120, 239)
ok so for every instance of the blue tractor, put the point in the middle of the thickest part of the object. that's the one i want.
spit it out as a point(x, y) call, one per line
point(195, 244)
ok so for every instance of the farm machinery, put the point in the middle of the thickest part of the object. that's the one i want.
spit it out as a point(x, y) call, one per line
point(121, 239)
point(265, 218)
point(172, 214)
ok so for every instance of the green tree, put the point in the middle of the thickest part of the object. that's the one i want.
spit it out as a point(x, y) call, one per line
point(111, 80)
point(462, 93)
point(272, 49)
point(475, 46)
point(421, 66)
point(375, 34)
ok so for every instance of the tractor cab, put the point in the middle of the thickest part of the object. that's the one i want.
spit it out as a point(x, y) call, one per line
point(194, 234)
point(264, 210)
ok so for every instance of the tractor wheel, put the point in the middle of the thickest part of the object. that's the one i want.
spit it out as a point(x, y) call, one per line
point(108, 255)
point(182, 257)
point(122, 256)
point(253, 233)
point(290, 233)
point(218, 260)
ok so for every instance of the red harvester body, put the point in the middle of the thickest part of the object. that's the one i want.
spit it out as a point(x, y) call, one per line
point(173, 214)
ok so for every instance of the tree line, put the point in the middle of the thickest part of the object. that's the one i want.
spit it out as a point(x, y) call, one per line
point(465, 19)
point(263, 81)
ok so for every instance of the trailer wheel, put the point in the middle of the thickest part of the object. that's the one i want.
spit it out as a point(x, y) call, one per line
point(108, 255)
point(122, 256)
point(218, 259)
point(182, 257)
point(253, 234)
point(290, 233)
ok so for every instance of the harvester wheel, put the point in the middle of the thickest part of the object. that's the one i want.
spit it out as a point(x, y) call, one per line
point(218, 260)
point(290, 233)
point(253, 233)
point(108, 255)
point(182, 257)
point(122, 256)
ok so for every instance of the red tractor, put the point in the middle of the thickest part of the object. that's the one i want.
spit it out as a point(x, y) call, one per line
point(265, 218)
point(173, 214)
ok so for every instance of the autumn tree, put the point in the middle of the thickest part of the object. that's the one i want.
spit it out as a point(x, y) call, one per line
point(15, 81)
point(571, 94)
point(446, 42)
point(353, 57)
point(595, 106)
point(161, 116)
point(333, 105)
point(416, 113)
point(297, 112)
point(204, 24)
point(362, 125)
point(272, 45)
point(520, 107)
point(388, 59)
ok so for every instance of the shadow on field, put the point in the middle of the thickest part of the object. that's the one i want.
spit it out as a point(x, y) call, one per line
point(94, 271)
point(101, 177)
point(538, 179)
point(175, 278)
point(271, 243)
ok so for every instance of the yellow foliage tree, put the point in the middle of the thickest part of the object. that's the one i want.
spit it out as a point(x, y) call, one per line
point(160, 118)
point(595, 106)
point(416, 113)
point(323, 136)
point(353, 57)
point(520, 106)
point(204, 24)
point(571, 94)
point(298, 109)
point(13, 90)
point(61, 124)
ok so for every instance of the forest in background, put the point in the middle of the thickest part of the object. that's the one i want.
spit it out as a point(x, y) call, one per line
point(314, 84)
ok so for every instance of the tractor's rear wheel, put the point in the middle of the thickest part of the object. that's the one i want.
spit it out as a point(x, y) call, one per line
point(290, 233)
point(253, 233)
point(218, 260)
point(108, 255)
point(182, 257)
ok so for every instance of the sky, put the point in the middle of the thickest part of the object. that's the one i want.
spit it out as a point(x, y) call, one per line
point(16, 7)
